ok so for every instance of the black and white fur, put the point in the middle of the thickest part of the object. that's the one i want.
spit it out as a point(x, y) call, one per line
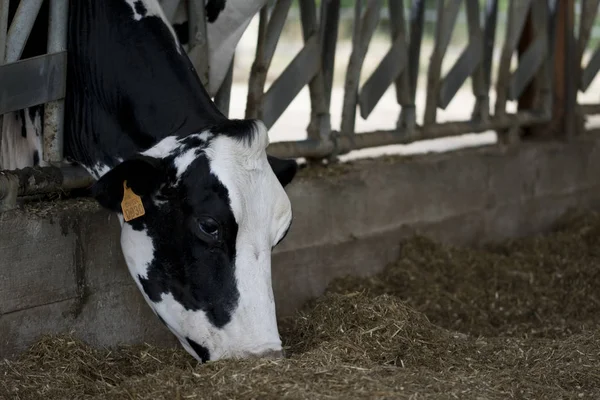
point(215, 204)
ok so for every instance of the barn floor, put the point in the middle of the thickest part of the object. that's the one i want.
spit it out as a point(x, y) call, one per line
point(516, 320)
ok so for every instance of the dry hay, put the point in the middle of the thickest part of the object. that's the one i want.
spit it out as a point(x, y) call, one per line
point(526, 311)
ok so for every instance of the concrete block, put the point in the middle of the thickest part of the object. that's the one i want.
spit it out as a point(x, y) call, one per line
point(61, 266)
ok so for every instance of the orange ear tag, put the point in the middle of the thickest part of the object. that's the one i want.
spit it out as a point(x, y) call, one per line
point(132, 204)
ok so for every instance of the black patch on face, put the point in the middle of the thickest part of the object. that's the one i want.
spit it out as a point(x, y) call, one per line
point(23, 124)
point(36, 158)
point(200, 275)
point(213, 9)
point(183, 32)
point(140, 8)
point(243, 130)
point(202, 351)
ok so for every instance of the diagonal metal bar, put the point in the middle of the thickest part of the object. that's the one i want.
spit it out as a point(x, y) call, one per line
point(384, 75)
point(320, 122)
point(198, 44)
point(223, 95)
point(590, 71)
point(403, 96)
point(481, 109)
point(286, 87)
point(275, 27)
point(269, 31)
point(3, 28)
point(489, 38)
point(589, 11)
point(517, 14)
point(33, 81)
point(20, 28)
point(446, 15)
point(330, 19)
point(464, 67)
point(529, 65)
point(364, 29)
point(170, 8)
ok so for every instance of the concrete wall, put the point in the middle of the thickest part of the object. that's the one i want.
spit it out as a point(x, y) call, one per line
point(61, 267)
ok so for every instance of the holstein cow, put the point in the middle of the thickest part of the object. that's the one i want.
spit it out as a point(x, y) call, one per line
point(21, 141)
point(207, 203)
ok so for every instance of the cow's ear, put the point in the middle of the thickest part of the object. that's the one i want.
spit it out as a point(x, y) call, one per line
point(285, 170)
point(143, 174)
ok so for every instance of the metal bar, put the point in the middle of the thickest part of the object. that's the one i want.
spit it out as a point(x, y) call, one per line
point(32, 82)
point(170, 8)
point(258, 71)
point(590, 109)
point(398, 33)
point(44, 180)
point(330, 19)
point(345, 143)
point(387, 71)
point(198, 43)
point(20, 28)
point(223, 96)
point(481, 110)
point(363, 32)
point(408, 116)
point(286, 87)
point(589, 11)
point(269, 31)
point(529, 64)
point(446, 15)
point(590, 71)
point(491, 18)
point(275, 27)
point(464, 67)
point(517, 14)
point(54, 111)
point(320, 121)
point(3, 28)
point(570, 69)
point(4, 5)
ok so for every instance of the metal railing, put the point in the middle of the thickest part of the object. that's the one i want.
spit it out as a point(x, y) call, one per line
point(547, 78)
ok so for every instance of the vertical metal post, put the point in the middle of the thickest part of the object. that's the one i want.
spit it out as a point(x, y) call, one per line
point(269, 31)
point(198, 44)
point(481, 111)
point(403, 96)
point(446, 19)
point(364, 27)
point(55, 110)
point(320, 121)
point(3, 35)
point(223, 96)
point(408, 116)
point(564, 86)
point(330, 20)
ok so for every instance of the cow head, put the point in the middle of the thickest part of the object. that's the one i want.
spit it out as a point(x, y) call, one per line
point(215, 207)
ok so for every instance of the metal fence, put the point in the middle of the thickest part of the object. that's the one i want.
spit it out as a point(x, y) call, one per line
point(548, 76)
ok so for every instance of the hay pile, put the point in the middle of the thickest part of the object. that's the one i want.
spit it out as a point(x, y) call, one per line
point(518, 320)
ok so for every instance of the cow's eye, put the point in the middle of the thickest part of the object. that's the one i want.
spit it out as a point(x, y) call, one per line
point(208, 228)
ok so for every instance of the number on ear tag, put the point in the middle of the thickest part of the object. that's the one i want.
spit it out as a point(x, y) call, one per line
point(132, 204)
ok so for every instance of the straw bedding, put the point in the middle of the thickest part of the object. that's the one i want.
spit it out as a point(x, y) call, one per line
point(516, 320)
